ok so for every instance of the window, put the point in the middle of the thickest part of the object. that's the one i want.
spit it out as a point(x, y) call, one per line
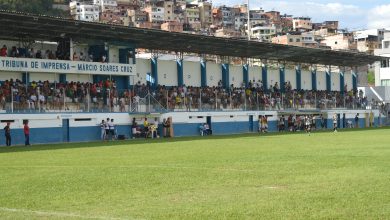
point(298, 40)
point(385, 82)
point(335, 42)
point(291, 40)
point(387, 44)
point(82, 119)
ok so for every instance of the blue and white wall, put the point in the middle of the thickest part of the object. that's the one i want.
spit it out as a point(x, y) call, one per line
point(191, 73)
point(80, 127)
point(168, 74)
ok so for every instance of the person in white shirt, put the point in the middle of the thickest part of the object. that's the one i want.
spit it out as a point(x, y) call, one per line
point(307, 124)
point(335, 122)
point(107, 129)
point(32, 101)
point(41, 100)
point(136, 100)
point(111, 126)
point(103, 130)
point(82, 56)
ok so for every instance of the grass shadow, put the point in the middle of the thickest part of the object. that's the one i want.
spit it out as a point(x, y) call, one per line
point(60, 146)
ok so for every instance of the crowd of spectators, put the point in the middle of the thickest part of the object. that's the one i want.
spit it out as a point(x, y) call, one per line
point(76, 96)
point(49, 54)
point(104, 96)
point(251, 97)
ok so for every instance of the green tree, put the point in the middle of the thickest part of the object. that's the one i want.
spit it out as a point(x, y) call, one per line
point(44, 7)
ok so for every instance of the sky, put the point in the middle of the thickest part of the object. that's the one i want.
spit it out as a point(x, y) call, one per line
point(351, 14)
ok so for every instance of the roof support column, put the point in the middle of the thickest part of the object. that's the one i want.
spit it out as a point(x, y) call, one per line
point(225, 72)
point(342, 81)
point(26, 78)
point(282, 74)
point(154, 73)
point(71, 49)
point(298, 75)
point(179, 64)
point(245, 74)
point(354, 78)
point(225, 75)
point(203, 74)
point(264, 75)
point(328, 73)
point(313, 70)
point(62, 78)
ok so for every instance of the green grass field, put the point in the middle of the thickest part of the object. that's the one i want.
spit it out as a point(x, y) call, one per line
point(344, 175)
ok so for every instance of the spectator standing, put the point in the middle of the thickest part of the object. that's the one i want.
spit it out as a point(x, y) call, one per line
point(335, 122)
point(371, 119)
point(4, 51)
point(134, 129)
point(107, 128)
point(322, 122)
point(165, 127)
point(357, 120)
point(103, 130)
point(26, 131)
point(146, 127)
point(112, 129)
point(76, 57)
point(82, 56)
point(7, 132)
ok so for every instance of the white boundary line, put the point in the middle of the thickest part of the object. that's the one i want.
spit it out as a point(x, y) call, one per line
point(130, 166)
point(56, 214)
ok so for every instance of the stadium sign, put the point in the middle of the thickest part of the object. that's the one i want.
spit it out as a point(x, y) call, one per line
point(65, 66)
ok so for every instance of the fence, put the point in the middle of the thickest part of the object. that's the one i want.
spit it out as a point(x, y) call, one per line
point(92, 99)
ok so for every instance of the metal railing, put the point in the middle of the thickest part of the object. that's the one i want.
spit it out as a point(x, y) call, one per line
point(100, 99)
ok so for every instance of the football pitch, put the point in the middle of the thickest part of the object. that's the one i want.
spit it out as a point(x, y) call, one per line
point(326, 175)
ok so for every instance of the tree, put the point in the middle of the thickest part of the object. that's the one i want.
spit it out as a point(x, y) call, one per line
point(44, 7)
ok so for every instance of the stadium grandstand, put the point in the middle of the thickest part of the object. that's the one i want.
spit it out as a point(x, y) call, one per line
point(66, 76)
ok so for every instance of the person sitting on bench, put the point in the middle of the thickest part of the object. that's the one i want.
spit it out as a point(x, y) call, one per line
point(207, 130)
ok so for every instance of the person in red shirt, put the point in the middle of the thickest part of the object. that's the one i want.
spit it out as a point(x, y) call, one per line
point(4, 51)
point(26, 130)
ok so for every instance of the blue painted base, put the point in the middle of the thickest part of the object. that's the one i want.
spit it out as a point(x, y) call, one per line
point(85, 134)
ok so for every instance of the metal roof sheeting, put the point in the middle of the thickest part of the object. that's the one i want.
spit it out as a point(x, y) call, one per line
point(16, 25)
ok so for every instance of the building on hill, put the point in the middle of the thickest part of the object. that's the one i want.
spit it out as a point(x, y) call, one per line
point(240, 22)
point(227, 32)
point(308, 40)
point(138, 18)
point(342, 41)
point(382, 69)
point(302, 24)
point(83, 11)
point(205, 14)
point(106, 4)
point(274, 19)
point(369, 40)
point(293, 39)
point(156, 12)
point(191, 18)
point(258, 18)
point(331, 27)
point(287, 23)
point(263, 33)
point(172, 26)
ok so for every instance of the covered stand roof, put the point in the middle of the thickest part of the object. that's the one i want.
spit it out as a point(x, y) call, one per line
point(38, 27)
